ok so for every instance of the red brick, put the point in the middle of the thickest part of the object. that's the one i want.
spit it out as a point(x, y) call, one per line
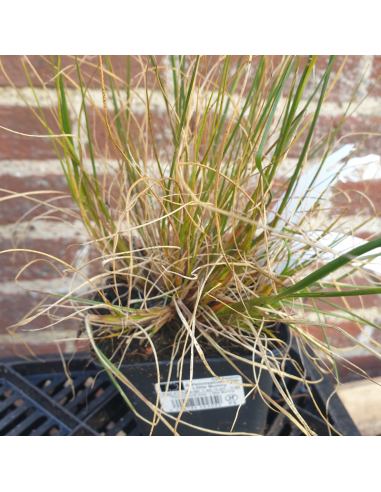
point(375, 74)
point(13, 66)
point(31, 183)
point(354, 130)
point(368, 363)
point(14, 69)
point(138, 64)
point(355, 302)
point(367, 235)
point(21, 119)
point(103, 145)
point(64, 249)
point(12, 263)
point(348, 80)
point(82, 345)
point(358, 197)
point(137, 69)
point(274, 62)
point(100, 139)
point(338, 339)
point(321, 130)
point(15, 208)
point(14, 307)
point(348, 326)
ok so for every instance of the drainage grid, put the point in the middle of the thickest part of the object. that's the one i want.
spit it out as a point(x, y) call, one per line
point(37, 399)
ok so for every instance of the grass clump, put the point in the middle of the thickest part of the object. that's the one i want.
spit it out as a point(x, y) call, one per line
point(183, 178)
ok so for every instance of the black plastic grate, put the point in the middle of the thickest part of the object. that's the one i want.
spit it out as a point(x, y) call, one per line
point(95, 400)
point(114, 419)
point(86, 392)
point(21, 416)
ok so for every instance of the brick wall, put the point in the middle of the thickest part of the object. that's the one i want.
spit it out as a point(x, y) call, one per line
point(31, 165)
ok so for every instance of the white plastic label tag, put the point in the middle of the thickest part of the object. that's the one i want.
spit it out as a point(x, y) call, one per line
point(205, 394)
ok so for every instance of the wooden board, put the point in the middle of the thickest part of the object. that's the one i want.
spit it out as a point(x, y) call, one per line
point(362, 399)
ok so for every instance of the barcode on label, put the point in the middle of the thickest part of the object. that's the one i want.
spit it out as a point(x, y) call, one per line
point(200, 401)
point(203, 394)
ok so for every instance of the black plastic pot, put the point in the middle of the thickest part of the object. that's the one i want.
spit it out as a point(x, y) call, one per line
point(211, 408)
point(211, 404)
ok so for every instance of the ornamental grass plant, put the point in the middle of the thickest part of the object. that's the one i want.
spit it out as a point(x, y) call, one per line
point(202, 222)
